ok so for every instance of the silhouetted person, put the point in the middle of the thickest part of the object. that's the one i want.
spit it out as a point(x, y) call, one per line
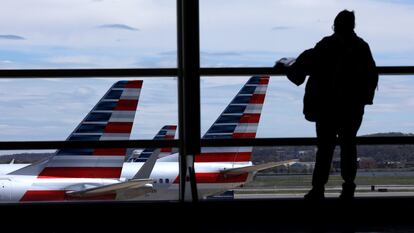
point(342, 80)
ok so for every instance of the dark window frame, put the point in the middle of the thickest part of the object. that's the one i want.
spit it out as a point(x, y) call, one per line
point(188, 73)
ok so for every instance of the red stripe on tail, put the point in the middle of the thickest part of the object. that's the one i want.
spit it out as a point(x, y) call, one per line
point(166, 150)
point(257, 99)
point(110, 151)
point(126, 105)
point(118, 127)
point(244, 135)
point(264, 80)
point(250, 118)
point(134, 84)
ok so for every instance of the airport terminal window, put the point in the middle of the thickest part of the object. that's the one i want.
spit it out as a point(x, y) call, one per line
point(72, 178)
point(259, 34)
point(383, 170)
point(232, 107)
point(75, 114)
point(280, 115)
point(94, 34)
point(47, 109)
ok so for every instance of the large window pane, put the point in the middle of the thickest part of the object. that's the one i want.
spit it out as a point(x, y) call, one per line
point(383, 170)
point(246, 33)
point(79, 177)
point(50, 109)
point(88, 34)
point(89, 109)
point(230, 108)
point(281, 113)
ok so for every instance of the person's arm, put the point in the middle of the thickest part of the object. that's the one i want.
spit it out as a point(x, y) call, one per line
point(301, 68)
point(372, 76)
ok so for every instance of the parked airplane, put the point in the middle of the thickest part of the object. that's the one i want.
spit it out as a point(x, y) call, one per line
point(91, 173)
point(217, 169)
point(165, 133)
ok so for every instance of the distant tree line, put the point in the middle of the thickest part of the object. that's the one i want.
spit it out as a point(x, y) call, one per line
point(380, 155)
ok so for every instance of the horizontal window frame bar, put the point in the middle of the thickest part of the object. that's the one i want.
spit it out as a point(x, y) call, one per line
point(40, 145)
point(241, 71)
point(88, 73)
point(167, 72)
point(300, 141)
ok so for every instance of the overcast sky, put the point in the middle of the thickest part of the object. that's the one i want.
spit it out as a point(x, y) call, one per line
point(142, 33)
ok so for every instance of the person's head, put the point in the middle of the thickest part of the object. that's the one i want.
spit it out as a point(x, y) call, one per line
point(344, 22)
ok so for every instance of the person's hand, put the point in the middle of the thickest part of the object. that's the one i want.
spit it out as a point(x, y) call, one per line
point(279, 64)
point(284, 62)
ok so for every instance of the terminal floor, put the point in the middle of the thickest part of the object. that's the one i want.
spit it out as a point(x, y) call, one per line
point(381, 214)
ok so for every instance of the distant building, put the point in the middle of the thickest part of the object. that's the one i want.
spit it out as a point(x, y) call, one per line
point(367, 163)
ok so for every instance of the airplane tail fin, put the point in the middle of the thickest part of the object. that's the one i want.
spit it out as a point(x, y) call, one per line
point(111, 119)
point(166, 133)
point(239, 120)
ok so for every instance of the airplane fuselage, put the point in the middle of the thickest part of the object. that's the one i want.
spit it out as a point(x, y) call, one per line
point(22, 188)
point(165, 174)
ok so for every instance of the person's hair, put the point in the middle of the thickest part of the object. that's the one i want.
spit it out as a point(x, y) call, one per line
point(344, 22)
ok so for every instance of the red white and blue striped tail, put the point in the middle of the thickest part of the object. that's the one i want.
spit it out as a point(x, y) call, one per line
point(239, 120)
point(166, 133)
point(111, 119)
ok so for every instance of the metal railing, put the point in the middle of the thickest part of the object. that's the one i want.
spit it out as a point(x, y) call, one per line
point(299, 141)
point(167, 72)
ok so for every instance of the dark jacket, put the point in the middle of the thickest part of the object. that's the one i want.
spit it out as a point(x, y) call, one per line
point(342, 75)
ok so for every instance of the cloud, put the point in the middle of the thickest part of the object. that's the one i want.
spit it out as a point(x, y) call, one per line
point(278, 28)
point(11, 37)
point(168, 53)
point(118, 26)
point(202, 53)
point(220, 53)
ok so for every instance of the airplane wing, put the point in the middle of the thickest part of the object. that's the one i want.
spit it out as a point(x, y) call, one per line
point(139, 185)
point(112, 188)
point(145, 171)
point(256, 168)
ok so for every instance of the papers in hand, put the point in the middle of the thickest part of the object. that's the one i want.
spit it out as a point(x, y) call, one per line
point(286, 61)
point(292, 73)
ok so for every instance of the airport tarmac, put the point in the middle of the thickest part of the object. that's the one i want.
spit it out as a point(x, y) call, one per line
point(328, 195)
